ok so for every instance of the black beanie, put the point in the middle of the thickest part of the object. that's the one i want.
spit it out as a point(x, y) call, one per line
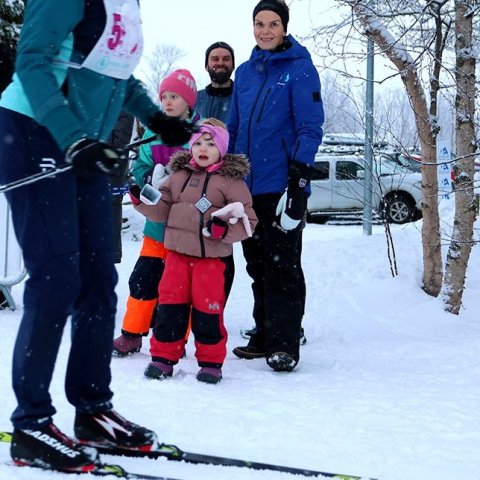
point(274, 6)
point(215, 45)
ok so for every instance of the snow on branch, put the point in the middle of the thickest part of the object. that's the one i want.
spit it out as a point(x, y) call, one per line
point(392, 47)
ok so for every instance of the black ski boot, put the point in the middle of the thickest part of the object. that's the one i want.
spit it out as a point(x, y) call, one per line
point(47, 447)
point(109, 429)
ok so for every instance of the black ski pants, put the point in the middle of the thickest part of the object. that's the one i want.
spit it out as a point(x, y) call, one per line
point(64, 227)
point(273, 258)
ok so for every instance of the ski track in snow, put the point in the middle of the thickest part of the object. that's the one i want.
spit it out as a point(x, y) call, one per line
point(388, 384)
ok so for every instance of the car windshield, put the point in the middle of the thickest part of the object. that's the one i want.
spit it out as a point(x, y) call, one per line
point(386, 166)
point(400, 159)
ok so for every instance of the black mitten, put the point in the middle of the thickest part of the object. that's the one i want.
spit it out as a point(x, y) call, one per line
point(172, 130)
point(293, 203)
point(91, 156)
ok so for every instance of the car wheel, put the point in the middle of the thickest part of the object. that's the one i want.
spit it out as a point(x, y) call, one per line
point(399, 208)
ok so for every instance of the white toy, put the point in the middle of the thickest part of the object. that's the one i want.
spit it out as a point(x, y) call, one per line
point(159, 175)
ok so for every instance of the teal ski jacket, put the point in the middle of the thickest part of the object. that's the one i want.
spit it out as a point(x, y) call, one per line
point(150, 155)
point(50, 85)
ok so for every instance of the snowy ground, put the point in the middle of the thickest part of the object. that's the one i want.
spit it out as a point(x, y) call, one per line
point(388, 385)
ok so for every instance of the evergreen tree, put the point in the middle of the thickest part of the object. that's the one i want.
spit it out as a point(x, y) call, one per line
point(11, 17)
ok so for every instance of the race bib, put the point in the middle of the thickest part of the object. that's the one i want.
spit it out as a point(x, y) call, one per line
point(118, 50)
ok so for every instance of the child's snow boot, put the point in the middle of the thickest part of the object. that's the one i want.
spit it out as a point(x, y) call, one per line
point(126, 344)
point(209, 375)
point(158, 370)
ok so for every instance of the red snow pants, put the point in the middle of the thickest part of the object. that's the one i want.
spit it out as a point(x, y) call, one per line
point(196, 285)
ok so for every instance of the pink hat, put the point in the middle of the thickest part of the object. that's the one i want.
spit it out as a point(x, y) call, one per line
point(182, 83)
point(219, 136)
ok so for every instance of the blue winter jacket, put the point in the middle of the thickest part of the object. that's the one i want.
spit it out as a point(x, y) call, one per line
point(276, 114)
point(214, 102)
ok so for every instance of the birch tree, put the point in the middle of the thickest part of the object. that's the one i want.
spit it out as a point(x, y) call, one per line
point(413, 36)
point(465, 207)
point(417, 37)
point(425, 112)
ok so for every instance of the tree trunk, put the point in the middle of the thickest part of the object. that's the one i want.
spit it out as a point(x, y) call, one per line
point(465, 207)
point(427, 131)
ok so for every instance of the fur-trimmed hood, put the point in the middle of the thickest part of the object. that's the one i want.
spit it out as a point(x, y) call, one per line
point(190, 196)
point(234, 166)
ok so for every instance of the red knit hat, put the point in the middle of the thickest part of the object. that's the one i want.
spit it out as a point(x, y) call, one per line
point(182, 83)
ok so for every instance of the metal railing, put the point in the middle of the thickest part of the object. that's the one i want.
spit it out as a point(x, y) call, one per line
point(12, 270)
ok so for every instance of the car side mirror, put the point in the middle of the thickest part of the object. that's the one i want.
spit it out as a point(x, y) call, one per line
point(361, 174)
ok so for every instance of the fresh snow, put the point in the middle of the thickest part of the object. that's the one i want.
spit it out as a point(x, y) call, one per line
point(388, 385)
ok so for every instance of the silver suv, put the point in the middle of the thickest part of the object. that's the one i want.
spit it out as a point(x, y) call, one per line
point(338, 183)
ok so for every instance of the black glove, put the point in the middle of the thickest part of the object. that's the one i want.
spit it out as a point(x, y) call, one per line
point(172, 130)
point(217, 228)
point(293, 203)
point(90, 156)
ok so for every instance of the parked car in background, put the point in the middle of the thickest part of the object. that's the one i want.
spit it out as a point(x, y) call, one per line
point(338, 188)
point(354, 143)
point(412, 161)
point(350, 140)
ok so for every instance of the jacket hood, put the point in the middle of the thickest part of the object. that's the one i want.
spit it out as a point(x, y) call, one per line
point(295, 51)
point(234, 166)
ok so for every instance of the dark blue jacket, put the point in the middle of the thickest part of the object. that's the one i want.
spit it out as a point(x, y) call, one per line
point(276, 114)
point(214, 102)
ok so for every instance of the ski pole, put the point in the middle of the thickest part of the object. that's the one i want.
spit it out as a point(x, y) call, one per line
point(34, 178)
point(136, 144)
point(65, 168)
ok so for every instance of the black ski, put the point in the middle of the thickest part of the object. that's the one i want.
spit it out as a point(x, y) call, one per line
point(104, 470)
point(172, 452)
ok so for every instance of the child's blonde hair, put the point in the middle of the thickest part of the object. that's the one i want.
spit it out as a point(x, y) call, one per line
point(215, 122)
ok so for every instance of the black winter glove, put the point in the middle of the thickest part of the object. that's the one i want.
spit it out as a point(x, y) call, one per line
point(172, 130)
point(293, 203)
point(216, 228)
point(90, 157)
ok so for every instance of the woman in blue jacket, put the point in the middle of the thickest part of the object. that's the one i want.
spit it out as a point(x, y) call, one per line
point(73, 76)
point(276, 118)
